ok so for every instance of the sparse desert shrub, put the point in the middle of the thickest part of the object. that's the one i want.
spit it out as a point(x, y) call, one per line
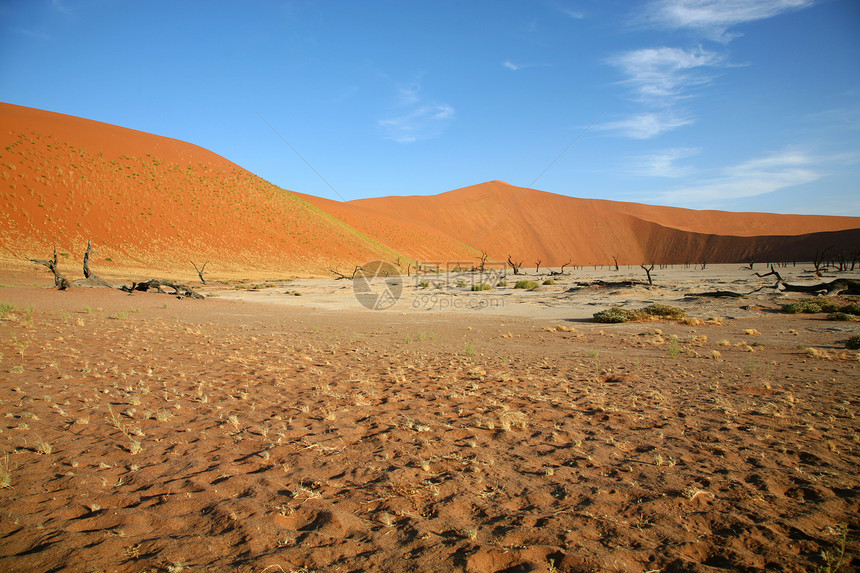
point(839, 316)
point(502, 283)
point(853, 343)
point(549, 282)
point(853, 308)
point(424, 284)
point(812, 306)
point(481, 286)
point(616, 314)
point(526, 284)
point(665, 311)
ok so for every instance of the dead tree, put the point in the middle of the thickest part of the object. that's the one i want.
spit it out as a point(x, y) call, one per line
point(200, 271)
point(648, 273)
point(614, 258)
point(772, 272)
point(838, 286)
point(340, 275)
point(87, 273)
point(483, 258)
point(515, 266)
point(818, 261)
point(179, 290)
point(537, 265)
point(60, 281)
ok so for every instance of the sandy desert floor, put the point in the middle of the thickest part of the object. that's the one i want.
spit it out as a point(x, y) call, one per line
point(264, 430)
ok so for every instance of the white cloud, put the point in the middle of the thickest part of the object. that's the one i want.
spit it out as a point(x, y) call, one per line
point(750, 178)
point(714, 17)
point(664, 163)
point(646, 125)
point(422, 122)
point(511, 66)
point(660, 76)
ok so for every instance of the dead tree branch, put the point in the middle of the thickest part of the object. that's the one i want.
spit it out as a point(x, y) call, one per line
point(340, 275)
point(200, 271)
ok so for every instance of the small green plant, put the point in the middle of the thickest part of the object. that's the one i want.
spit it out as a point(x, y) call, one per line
point(5, 472)
point(43, 447)
point(481, 286)
point(549, 282)
point(835, 559)
point(87, 310)
point(853, 343)
point(5, 309)
point(121, 315)
point(526, 284)
point(616, 314)
point(502, 283)
point(674, 348)
point(424, 284)
point(469, 349)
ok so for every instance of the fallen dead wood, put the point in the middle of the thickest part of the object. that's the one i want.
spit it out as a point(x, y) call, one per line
point(838, 286)
point(179, 290)
point(612, 284)
point(716, 294)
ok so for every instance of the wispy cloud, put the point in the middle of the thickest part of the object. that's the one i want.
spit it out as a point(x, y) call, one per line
point(646, 125)
point(713, 18)
point(751, 178)
point(664, 163)
point(413, 117)
point(513, 66)
point(660, 76)
point(575, 14)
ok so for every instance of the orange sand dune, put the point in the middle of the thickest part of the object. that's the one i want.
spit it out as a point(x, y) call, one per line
point(534, 225)
point(154, 204)
point(151, 205)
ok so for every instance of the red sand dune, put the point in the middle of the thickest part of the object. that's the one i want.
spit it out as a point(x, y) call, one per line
point(151, 204)
point(154, 204)
point(534, 225)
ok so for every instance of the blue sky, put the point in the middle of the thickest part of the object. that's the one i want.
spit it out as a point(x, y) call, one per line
point(742, 105)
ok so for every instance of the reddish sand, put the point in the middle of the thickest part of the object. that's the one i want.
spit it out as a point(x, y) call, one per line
point(143, 433)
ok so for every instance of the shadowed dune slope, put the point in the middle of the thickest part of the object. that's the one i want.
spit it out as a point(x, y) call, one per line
point(153, 204)
point(529, 225)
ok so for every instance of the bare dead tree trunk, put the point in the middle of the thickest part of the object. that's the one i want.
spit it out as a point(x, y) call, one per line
point(60, 281)
point(87, 273)
point(616, 262)
point(648, 273)
point(200, 271)
point(537, 265)
point(515, 266)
